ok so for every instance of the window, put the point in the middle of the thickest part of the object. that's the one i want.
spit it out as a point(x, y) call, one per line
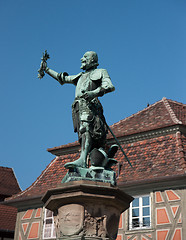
point(49, 227)
point(140, 213)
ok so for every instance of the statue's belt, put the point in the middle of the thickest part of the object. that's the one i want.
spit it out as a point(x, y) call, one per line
point(80, 99)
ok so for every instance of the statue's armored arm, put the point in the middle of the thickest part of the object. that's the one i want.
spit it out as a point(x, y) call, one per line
point(60, 77)
point(103, 89)
point(52, 73)
point(106, 85)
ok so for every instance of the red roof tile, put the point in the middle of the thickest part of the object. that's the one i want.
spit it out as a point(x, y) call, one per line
point(8, 182)
point(158, 115)
point(7, 218)
point(151, 158)
point(49, 178)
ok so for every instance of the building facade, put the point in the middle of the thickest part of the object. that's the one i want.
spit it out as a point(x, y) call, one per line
point(154, 140)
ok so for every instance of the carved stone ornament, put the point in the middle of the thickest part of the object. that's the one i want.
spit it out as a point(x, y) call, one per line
point(71, 218)
point(101, 221)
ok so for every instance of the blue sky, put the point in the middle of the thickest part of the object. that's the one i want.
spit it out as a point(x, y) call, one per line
point(142, 44)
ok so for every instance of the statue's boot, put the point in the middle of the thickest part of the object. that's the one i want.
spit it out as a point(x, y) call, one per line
point(85, 148)
point(80, 162)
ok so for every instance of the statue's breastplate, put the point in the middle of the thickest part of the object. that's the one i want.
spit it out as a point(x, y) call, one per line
point(85, 84)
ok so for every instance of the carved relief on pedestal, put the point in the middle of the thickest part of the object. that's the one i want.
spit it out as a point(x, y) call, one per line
point(101, 221)
point(86, 211)
point(91, 220)
point(70, 219)
point(94, 226)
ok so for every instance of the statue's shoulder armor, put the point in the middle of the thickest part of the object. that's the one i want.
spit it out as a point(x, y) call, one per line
point(75, 77)
point(97, 74)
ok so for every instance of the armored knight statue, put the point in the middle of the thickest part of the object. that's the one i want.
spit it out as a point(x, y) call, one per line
point(87, 111)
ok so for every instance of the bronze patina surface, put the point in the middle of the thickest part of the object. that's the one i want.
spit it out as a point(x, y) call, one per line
point(88, 119)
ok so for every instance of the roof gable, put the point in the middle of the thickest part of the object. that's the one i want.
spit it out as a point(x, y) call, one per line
point(179, 110)
point(8, 182)
point(161, 114)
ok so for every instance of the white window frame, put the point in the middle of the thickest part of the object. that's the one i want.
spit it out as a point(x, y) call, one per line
point(53, 232)
point(140, 213)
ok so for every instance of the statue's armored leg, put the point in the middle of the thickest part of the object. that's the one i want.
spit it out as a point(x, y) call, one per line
point(86, 144)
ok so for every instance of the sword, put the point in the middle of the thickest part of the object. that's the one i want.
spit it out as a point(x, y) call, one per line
point(114, 137)
point(118, 143)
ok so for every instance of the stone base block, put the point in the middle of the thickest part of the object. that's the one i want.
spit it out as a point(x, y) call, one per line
point(86, 210)
point(82, 238)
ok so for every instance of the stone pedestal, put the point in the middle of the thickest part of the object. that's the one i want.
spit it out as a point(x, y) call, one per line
point(86, 210)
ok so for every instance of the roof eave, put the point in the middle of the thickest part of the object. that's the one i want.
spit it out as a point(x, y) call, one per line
point(26, 202)
point(7, 231)
point(155, 184)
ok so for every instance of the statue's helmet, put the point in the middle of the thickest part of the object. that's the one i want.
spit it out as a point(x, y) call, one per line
point(89, 60)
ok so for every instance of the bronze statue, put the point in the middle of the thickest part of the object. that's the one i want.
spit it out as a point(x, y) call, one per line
point(87, 111)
